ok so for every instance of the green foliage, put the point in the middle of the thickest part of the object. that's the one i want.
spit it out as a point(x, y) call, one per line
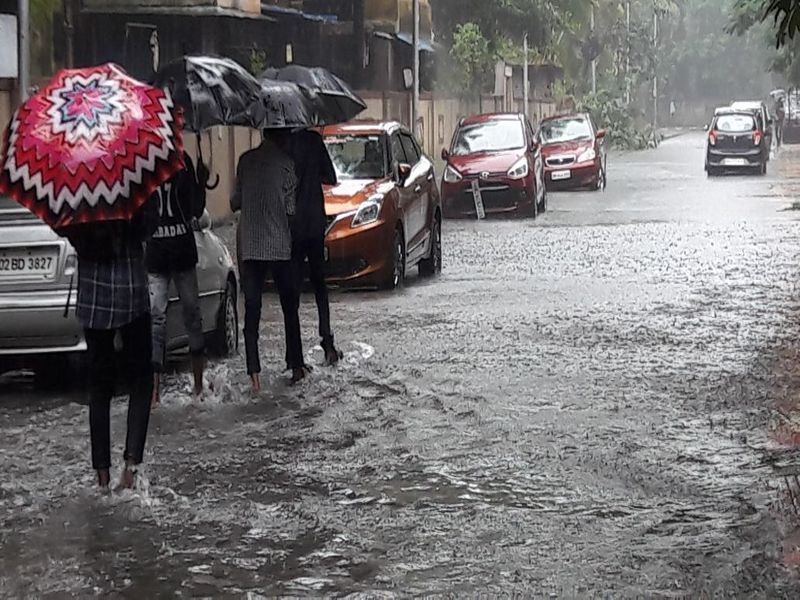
point(783, 15)
point(470, 52)
point(258, 61)
point(612, 113)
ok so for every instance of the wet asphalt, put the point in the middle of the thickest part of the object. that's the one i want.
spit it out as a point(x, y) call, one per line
point(600, 403)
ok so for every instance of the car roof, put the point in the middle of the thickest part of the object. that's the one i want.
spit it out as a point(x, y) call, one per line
point(366, 127)
point(747, 104)
point(489, 117)
point(730, 110)
point(565, 116)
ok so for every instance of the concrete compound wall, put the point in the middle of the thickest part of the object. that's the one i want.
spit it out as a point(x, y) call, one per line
point(439, 117)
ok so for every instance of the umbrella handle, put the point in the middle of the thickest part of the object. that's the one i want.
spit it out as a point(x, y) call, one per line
point(200, 158)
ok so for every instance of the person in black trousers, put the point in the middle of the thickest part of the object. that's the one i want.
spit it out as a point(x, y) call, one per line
point(313, 168)
point(113, 298)
point(265, 194)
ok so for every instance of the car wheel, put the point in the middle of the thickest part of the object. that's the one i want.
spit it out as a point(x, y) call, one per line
point(433, 264)
point(225, 339)
point(711, 171)
point(543, 204)
point(601, 179)
point(61, 371)
point(763, 169)
point(398, 272)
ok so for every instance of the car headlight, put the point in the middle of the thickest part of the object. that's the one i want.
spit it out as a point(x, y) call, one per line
point(587, 155)
point(369, 211)
point(520, 169)
point(451, 175)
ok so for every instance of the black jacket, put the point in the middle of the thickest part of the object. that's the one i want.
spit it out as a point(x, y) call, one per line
point(313, 167)
point(180, 200)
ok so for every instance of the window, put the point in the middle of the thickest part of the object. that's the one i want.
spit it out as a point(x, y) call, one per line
point(491, 136)
point(356, 156)
point(398, 154)
point(410, 148)
point(735, 123)
point(566, 130)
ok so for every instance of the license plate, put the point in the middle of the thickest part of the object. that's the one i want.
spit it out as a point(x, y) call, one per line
point(480, 210)
point(27, 262)
point(735, 162)
point(560, 175)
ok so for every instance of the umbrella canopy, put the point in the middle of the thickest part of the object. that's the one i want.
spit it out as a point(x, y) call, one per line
point(290, 106)
point(339, 100)
point(91, 146)
point(212, 91)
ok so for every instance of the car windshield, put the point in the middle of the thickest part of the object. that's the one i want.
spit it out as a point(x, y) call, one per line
point(735, 123)
point(565, 130)
point(357, 156)
point(491, 136)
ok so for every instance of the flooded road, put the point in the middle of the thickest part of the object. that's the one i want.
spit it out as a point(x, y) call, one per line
point(580, 406)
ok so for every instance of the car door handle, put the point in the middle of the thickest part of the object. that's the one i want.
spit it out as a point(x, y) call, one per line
point(430, 176)
point(418, 189)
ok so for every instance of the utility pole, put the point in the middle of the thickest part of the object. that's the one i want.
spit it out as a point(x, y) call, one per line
point(24, 19)
point(594, 60)
point(415, 98)
point(525, 76)
point(628, 53)
point(655, 69)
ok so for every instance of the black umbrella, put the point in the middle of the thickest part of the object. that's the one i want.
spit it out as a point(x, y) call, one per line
point(212, 91)
point(290, 106)
point(340, 102)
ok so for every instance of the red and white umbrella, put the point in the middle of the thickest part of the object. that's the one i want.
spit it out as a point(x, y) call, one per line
point(91, 146)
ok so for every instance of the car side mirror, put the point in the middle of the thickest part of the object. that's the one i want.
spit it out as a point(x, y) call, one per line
point(403, 173)
point(601, 133)
point(534, 146)
point(445, 154)
point(204, 222)
point(705, 127)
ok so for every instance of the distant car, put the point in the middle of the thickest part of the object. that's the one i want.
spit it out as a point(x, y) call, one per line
point(765, 120)
point(37, 270)
point(736, 141)
point(498, 156)
point(574, 151)
point(385, 215)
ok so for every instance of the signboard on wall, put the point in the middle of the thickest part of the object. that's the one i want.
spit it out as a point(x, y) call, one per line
point(8, 47)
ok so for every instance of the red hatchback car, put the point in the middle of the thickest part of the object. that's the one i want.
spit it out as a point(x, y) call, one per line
point(574, 152)
point(493, 163)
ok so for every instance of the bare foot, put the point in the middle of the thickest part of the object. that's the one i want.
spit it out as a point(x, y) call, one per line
point(255, 382)
point(103, 479)
point(128, 478)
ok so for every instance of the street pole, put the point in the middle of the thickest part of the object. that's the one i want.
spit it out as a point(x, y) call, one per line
point(525, 76)
point(655, 70)
point(628, 53)
point(594, 60)
point(415, 99)
point(23, 9)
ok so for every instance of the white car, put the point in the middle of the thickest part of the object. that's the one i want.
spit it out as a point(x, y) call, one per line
point(37, 270)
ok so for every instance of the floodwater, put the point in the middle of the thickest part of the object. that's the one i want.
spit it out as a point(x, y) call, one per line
point(597, 403)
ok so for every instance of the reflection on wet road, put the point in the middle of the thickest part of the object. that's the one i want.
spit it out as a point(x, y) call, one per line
point(578, 407)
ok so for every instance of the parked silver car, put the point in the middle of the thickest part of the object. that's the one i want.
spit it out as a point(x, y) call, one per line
point(36, 268)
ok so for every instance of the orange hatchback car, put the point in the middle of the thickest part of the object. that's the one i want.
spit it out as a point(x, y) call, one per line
point(384, 215)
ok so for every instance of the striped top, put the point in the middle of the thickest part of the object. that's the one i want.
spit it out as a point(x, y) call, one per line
point(265, 193)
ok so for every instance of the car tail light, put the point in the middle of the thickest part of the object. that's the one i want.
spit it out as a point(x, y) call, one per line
point(757, 135)
point(712, 137)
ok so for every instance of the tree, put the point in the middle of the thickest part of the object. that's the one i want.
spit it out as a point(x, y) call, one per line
point(785, 16)
point(470, 51)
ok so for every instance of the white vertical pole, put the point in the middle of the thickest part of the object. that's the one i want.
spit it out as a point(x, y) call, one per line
point(594, 60)
point(655, 70)
point(415, 100)
point(525, 84)
point(23, 8)
point(628, 53)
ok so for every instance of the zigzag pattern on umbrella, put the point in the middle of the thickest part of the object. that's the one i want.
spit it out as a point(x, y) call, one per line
point(89, 139)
